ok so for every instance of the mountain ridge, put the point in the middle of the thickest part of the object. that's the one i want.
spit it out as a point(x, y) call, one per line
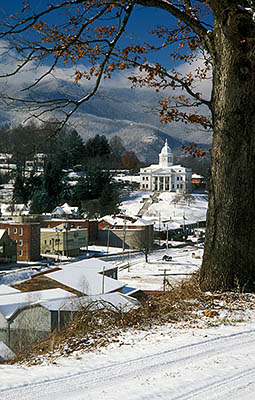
point(128, 113)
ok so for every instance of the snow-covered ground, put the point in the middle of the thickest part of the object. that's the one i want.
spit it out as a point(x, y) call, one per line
point(160, 363)
point(185, 261)
point(165, 210)
point(206, 360)
point(150, 276)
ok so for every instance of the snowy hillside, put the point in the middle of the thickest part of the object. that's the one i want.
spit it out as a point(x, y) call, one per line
point(165, 211)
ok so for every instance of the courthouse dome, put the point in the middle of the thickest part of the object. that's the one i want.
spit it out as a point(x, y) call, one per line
point(165, 156)
point(166, 149)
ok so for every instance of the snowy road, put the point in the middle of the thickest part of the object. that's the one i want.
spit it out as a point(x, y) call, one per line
point(206, 364)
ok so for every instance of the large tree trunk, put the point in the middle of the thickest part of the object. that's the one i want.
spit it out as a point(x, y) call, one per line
point(229, 257)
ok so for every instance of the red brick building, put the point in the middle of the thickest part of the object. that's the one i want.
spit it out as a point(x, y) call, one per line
point(27, 237)
point(25, 230)
point(198, 182)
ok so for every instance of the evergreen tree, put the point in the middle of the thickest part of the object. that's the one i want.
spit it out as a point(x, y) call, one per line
point(41, 202)
point(96, 193)
point(20, 194)
point(109, 200)
point(117, 151)
point(97, 147)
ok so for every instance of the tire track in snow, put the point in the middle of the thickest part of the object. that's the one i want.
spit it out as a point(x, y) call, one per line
point(220, 389)
point(142, 368)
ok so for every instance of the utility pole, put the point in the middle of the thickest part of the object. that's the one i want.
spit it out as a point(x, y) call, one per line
point(164, 281)
point(103, 281)
point(124, 234)
point(108, 238)
point(124, 238)
point(159, 225)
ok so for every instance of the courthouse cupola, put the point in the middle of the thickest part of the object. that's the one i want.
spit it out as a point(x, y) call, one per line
point(165, 156)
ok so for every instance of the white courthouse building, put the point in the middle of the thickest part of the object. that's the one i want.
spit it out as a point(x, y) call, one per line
point(165, 176)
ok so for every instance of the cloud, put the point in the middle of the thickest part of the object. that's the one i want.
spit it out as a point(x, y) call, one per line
point(55, 82)
point(9, 62)
point(203, 86)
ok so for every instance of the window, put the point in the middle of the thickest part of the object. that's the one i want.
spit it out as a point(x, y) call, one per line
point(45, 241)
point(15, 230)
point(20, 252)
point(177, 178)
point(20, 242)
point(20, 231)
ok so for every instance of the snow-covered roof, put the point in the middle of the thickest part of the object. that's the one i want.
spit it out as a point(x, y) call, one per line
point(57, 229)
point(120, 221)
point(142, 222)
point(10, 303)
point(6, 209)
point(5, 289)
point(2, 232)
point(85, 280)
point(112, 300)
point(157, 170)
point(196, 176)
point(65, 209)
point(5, 352)
point(93, 264)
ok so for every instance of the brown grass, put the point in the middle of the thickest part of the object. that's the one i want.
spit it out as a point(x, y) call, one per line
point(89, 330)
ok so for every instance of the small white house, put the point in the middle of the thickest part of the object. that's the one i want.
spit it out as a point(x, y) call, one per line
point(65, 211)
point(165, 176)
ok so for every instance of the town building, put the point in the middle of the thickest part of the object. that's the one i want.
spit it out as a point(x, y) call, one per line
point(66, 211)
point(62, 241)
point(47, 301)
point(8, 248)
point(165, 176)
point(90, 225)
point(125, 232)
point(198, 183)
point(26, 233)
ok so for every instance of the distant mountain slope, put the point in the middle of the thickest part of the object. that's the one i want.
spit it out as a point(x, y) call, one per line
point(145, 140)
point(128, 113)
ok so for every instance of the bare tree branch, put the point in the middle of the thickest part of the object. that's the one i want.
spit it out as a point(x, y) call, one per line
point(187, 17)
